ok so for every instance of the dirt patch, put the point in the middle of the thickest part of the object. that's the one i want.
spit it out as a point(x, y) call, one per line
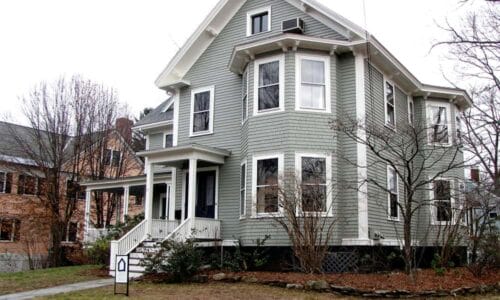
point(424, 280)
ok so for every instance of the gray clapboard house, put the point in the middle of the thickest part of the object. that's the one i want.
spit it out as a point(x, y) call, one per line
point(252, 93)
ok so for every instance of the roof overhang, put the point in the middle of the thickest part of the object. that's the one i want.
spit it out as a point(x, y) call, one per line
point(182, 153)
point(153, 125)
point(122, 182)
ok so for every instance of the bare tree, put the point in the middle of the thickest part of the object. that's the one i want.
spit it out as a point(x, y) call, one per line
point(415, 162)
point(306, 214)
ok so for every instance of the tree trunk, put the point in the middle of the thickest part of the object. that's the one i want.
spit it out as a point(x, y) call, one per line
point(407, 247)
point(57, 236)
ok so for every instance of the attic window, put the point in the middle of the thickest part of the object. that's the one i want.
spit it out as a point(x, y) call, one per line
point(259, 21)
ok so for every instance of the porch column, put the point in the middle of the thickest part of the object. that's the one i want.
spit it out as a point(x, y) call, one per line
point(171, 208)
point(148, 207)
point(193, 167)
point(88, 199)
point(126, 197)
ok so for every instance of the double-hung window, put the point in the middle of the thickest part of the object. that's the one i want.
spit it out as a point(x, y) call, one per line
point(243, 189)
point(26, 185)
point(313, 82)
point(269, 84)
point(259, 21)
point(390, 104)
point(314, 183)
point(169, 140)
point(442, 201)
point(392, 193)
point(5, 182)
point(202, 111)
point(266, 173)
point(439, 128)
point(244, 96)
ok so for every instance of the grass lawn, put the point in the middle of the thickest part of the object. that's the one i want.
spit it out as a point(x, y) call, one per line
point(219, 291)
point(31, 280)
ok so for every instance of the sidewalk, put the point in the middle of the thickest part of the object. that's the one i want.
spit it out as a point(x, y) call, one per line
point(59, 289)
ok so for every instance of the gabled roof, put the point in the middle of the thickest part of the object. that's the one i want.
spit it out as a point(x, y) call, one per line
point(173, 75)
point(161, 115)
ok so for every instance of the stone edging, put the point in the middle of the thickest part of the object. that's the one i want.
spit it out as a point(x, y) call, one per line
point(323, 286)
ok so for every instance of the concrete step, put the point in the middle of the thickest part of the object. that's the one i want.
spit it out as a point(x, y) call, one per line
point(136, 268)
point(136, 255)
point(147, 249)
point(135, 261)
point(150, 244)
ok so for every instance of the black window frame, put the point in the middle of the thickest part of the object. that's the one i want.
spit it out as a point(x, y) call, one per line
point(263, 22)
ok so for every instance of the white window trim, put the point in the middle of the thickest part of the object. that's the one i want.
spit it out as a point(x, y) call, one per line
point(411, 103)
point(447, 105)
point(244, 188)
point(257, 11)
point(389, 217)
point(433, 207)
point(298, 82)
point(255, 159)
point(165, 133)
point(328, 169)
point(247, 72)
point(281, 59)
point(210, 130)
point(387, 124)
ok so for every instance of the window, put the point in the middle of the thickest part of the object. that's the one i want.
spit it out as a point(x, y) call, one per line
point(258, 21)
point(442, 201)
point(106, 158)
point(26, 185)
point(138, 200)
point(392, 193)
point(169, 140)
point(390, 104)
point(42, 187)
point(5, 182)
point(244, 93)
point(458, 125)
point(266, 173)
point(202, 111)
point(269, 88)
point(111, 158)
point(9, 229)
point(438, 123)
point(313, 83)
point(313, 184)
point(71, 232)
point(243, 187)
point(411, 111)
point(115, 159)
point(74, 190)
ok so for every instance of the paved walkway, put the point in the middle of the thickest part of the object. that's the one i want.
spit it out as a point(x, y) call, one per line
point(59, 289)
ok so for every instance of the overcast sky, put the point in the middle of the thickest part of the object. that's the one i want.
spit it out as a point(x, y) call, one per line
point(126, 44)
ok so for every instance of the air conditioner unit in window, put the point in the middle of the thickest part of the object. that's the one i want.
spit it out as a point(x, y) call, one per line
point(293, 26)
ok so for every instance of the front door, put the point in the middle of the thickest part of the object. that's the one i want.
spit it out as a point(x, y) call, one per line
point(205, 194)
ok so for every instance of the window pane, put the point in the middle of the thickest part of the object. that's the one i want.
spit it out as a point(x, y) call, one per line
point(6, 227)
point(411, 112)
point(313, 170)
point(269, 97)
point(443, 211)
point(201, 101)
point(72, 232)
point(442, 190)
point(313, 198)
point(269, 73)
point(242, 202)
point(390, 114)
point(394, 205)
point(392, 180)
point(264, 22)
point(312, 96)
point(267, 199)
point(440, 134)
point(267, 172)
point(115, 161)
point(106, 158)
point(201, 121)
point(256, 25)
point(439, 115)
point(260, 23)
point(169, 141)
point(389, 93)
point(313, 71)
point(242, 176)
point(2, 182)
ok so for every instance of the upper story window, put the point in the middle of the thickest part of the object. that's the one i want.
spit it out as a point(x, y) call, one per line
point(411, 111)
point(438, 119)
point(390, 104)
point(26, 185)
point(244, 96)
point(5, 182)
point(441, 196)
point(313, 83)
point(269, 84)
point(202, 111)
point(243, 188)
point(168, 141)
point(458, 125)
point(258, 21)
point(267, 171)
point(392, 193)
point(111, 157)
point(314, 180)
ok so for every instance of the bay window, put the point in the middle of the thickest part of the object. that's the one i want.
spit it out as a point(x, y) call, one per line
point(442, 200)
point(243, 185)
point(313, 82)
point(269, 85)
point(266, 178)
point(438, 118)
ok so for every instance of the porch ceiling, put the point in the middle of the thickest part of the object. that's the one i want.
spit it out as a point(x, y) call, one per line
point(172, 156)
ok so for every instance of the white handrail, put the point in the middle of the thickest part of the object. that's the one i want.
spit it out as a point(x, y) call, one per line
point(196, 228)
point(132, 239)
point(162, 228)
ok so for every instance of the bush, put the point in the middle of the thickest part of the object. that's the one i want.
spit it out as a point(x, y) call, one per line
point(180, 260)
point(98, 253)
point(242, 259)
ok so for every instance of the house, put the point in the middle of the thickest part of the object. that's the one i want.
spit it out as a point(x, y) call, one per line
point(24, 231)
point(252, 93)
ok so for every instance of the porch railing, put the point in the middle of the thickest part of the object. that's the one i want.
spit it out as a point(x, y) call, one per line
point(197, 228)
point(128, 242)
point(162, 228)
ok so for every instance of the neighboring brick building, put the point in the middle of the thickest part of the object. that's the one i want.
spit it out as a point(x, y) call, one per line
point(24, 225)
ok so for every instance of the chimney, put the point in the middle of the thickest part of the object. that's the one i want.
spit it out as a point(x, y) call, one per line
point(474, 175)
point(124, 127)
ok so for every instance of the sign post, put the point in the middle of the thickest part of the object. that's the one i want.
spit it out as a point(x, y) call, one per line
point(122, 271)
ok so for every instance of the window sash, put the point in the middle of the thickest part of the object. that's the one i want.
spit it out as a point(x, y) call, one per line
point(202, 112)
point(390, 104)
point(7, 230)
point(392, 193)
point(267, 186)
point(3, 181)
point(271, 83)
point(115, 158)
point(169, 140)
point(260, 22)
point(243, 185)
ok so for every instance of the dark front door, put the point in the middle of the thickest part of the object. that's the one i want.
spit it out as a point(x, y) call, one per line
point(205, 194)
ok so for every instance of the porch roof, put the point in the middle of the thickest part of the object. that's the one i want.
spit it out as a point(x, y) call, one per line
point(181, 153)
point(127, 181)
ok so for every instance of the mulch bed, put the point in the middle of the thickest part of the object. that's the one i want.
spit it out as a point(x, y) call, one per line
point(425, 280)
